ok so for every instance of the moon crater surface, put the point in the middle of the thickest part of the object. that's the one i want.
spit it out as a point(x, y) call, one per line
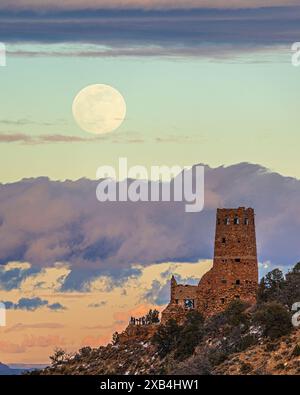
point(99, 109)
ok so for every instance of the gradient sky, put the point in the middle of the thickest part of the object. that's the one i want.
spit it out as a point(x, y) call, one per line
point(198, 91)
point(178, 112)
point(217, 88)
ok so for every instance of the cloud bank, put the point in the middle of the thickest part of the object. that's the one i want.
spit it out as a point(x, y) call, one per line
point(160, 32)
point(145, 4)
point(43, 222)
point(32, 304)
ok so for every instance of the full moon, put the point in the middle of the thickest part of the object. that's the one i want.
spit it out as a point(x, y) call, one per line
point(99, 109)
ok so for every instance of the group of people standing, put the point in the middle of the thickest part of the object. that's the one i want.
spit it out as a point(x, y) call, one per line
point(139, 321)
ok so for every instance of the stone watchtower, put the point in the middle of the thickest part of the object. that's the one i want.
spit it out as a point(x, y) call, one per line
point(234, 274)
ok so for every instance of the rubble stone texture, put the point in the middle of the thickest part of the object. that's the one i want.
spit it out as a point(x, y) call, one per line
point(234, 274)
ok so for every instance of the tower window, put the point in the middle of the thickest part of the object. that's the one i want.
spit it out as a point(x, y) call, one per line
point(222, 300)
point(224, 281)
point(246, 221)
point(236, 221)
point(237, 260)
point(238, 282)
point(237, 296)
point(219, 221)
point(176, 301)
point(223, 240)
point(189, 303)
point(227, 221)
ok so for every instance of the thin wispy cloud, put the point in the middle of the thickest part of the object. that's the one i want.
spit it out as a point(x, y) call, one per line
point(28, 139)
point(98, 304)
point(32, 304)
point(133, 4)
point(180, 139)
point(203, 50)
point(19, 327)
point(32, 341)
point(30, 122)
point(15, 138)
point(42, 139)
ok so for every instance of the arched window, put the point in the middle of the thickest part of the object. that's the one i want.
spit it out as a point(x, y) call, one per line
point(236, 220)
point(246, 221)
point(227, 221)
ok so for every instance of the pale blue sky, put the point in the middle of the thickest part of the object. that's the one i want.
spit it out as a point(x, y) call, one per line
point(216, 112)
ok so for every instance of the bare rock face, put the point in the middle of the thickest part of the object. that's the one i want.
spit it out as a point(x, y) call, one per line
point(234, 274)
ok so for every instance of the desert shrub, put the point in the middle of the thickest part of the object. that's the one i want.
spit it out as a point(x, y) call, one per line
point(274, 319)
point(194, 318)
point(245, 367)
point(235, 313)
point(58, 356)
point(166, 337)
point(274, 287)
point(190, 335)
point(296, 351)
point(197, 365)
point(213, 324)
point(216, 357)
point(272, 346)
point(153, 316)
point(85, 351)
point(245, 342)
point(233, 316)
point(115, 338)
point(271, 287)
point(291, 289)
point(182, 339)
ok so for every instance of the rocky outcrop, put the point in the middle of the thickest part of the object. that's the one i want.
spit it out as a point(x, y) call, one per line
point(133, 354)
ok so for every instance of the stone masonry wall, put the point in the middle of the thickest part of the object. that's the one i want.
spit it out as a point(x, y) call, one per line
point(234, 274)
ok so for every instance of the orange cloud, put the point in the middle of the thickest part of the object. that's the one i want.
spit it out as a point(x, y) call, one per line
point(137, 311)
point(44, 341)
point(94, 341)
point(20, 327)
point(30, 342)
point(11, 348)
